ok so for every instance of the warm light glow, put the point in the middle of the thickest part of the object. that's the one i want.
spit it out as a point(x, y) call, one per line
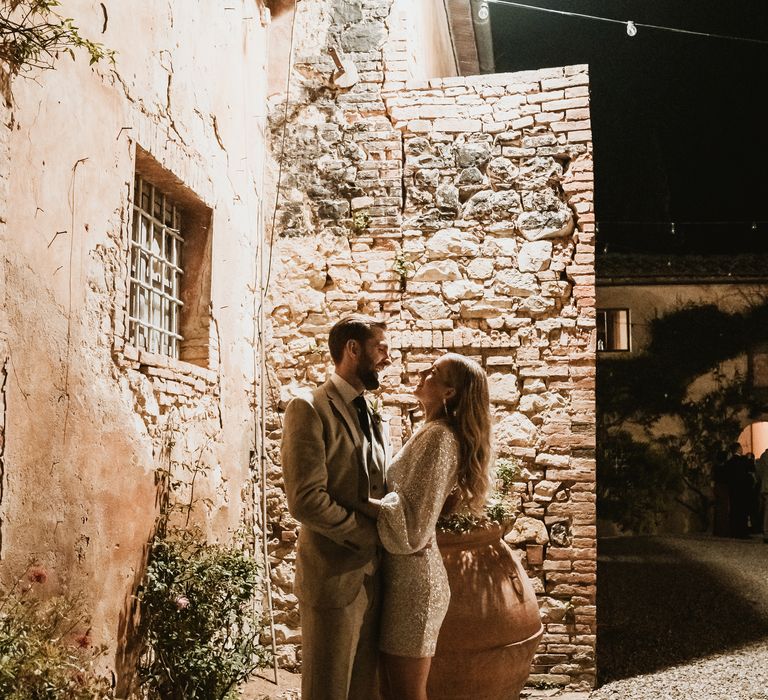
point(759, 438)
point(754, 438)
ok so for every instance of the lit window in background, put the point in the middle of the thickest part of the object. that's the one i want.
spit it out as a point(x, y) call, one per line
point(613, 330)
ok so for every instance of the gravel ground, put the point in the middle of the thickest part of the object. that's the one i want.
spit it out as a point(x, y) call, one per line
point(682, 618)
point(679, 618)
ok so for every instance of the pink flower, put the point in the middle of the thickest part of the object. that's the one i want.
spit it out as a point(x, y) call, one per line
point(182, 602)
point(37, 574)
point(83, 640)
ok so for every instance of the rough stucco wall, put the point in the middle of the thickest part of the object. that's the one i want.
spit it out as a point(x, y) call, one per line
point(480, 189)
point(88, 418)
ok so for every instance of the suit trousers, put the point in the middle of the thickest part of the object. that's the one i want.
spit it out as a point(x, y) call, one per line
point(339, 649)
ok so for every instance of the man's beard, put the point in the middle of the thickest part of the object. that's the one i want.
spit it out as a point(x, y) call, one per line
point(367, 373)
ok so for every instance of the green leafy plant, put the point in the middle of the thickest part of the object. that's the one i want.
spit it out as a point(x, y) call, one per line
point(46, 651)
point(361, 222)
point(498, 509)
point(198, 619)
point(200, 629)
point(33, 35)
point(404, 268)
point(507, 473)
point(637, 481)
point(463, 522)
point(709, 426)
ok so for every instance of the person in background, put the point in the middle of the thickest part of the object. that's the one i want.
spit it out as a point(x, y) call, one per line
point(761, 468)
point(722, 515)
point(739, 490)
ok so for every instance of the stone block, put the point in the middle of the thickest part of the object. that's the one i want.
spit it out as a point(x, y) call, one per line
point(458, 125)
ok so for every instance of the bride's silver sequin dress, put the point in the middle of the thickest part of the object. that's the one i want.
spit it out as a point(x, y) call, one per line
point(416, 592)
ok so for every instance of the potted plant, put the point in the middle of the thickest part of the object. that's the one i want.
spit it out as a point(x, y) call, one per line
point(492, 627)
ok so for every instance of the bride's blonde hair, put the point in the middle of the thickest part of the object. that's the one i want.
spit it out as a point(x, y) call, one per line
point(468, 412)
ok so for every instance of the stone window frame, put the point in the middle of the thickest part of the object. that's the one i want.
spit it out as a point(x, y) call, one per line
point(601, 318)
point(195, 325)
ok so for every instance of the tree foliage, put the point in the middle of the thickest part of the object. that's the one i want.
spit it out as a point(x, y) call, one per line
point(33, 35)
point(685, 344)
point(639, 390)
point(637, 481)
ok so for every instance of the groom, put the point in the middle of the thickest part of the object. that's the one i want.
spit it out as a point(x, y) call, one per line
point(334, 456)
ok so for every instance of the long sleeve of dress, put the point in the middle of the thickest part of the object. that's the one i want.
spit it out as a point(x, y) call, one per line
point(420, 478)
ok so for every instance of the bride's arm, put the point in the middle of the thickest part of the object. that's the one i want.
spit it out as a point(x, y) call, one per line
point(408, 513)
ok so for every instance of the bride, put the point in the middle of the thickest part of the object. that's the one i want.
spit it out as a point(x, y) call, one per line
point(443, 468)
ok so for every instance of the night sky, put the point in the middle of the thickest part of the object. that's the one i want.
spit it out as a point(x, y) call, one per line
point(679, 131)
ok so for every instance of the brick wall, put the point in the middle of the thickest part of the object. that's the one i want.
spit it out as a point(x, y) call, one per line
point(461, 210)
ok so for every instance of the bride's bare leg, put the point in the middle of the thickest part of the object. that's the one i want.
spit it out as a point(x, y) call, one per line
point(406, 677)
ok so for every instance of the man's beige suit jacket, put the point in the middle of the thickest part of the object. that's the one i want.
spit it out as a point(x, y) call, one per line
point(325, 478)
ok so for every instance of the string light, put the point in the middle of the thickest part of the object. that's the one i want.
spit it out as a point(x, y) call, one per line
point(630, 26)
point(752, 224)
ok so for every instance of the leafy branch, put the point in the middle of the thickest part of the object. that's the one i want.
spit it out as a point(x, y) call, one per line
point(33, 35)
point(499, 508)
point(46, 649)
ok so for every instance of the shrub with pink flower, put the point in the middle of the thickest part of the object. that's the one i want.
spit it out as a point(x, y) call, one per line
point(202, 634)
point(37, 574)
point(41, 657)
point(83, 641)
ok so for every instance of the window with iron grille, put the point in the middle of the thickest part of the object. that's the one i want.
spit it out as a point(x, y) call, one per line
point(156, 271)
point(169, 247)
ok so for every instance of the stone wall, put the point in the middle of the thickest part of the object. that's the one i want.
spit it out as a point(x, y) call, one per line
point(461, 211)
point(89, 416)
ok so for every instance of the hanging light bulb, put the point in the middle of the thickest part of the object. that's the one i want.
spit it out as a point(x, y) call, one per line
point(631, 28)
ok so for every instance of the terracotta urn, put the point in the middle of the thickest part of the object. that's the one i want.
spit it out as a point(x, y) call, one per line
point(492, 626)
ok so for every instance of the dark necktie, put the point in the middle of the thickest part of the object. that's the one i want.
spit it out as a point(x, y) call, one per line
point(362, 414)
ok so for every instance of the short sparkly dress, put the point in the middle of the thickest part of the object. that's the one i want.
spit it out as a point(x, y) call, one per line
point(416, 592)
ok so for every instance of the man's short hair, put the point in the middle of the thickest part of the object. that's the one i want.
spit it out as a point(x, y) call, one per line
point(353, 327)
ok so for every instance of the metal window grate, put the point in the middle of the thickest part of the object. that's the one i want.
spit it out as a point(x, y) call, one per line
point(155, 282)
